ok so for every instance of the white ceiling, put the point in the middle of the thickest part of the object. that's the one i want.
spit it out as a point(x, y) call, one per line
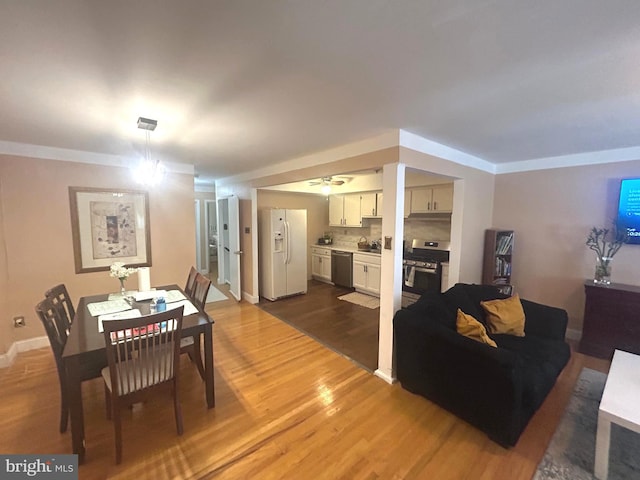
point(239, 84)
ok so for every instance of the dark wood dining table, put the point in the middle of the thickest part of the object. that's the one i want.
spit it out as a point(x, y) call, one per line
point(84, 357)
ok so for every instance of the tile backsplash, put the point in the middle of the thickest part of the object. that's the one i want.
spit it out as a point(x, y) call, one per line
point(372, 230)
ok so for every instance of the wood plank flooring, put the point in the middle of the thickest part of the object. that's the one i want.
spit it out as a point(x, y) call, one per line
point(348, 329)
point(286, 408)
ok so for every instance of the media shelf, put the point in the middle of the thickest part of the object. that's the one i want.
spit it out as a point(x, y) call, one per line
point(498, 252)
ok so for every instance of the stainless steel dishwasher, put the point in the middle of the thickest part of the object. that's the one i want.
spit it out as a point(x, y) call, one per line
point(342, 268)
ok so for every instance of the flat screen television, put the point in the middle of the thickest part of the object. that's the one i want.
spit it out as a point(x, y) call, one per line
point(629, 208)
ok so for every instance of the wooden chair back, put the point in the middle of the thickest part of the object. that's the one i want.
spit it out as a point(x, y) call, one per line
point(143, 352)
point(62, 301)
point(56, 329)
point(201, 290)
point(191, 282)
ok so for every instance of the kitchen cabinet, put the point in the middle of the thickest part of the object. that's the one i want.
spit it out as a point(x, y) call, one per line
point(438, 198)
point(344, 210)
point(366, 273)
point(321, 263)
point(368, 205)
point(407, 203)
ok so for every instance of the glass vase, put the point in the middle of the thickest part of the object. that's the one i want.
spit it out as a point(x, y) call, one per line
point(122, 289)
point(603, 271)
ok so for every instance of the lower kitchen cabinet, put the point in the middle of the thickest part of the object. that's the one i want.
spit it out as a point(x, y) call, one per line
point(321, 263)
point(366, 273)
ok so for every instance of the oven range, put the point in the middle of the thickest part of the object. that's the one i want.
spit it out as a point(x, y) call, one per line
point(422, 265)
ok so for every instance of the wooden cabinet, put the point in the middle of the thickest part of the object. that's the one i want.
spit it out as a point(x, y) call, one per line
point(438, 198)
point(611, 319)
point(344, 210)
point(498, 257)
point(366, 273)
point(321, 263)
point(368, 205)
point(407, 203)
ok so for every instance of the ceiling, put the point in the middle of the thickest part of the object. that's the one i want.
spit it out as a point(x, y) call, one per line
point(239, 84)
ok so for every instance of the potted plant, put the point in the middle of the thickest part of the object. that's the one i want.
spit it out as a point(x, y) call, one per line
point(606, 243)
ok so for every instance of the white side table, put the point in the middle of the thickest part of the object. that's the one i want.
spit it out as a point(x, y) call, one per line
point(619, 405)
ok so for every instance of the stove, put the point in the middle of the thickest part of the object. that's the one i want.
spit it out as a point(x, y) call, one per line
point(422, 265)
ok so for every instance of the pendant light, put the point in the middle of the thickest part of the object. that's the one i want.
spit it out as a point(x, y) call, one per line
point(148, 172)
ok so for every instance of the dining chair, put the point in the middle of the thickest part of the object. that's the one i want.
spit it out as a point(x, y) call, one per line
point(191, 345)
point(191, 282)
point(62, 301)
point(55, 328)
point(143, 357)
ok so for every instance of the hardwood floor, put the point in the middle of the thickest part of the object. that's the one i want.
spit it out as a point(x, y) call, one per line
point(286, 408)
point(348, 329)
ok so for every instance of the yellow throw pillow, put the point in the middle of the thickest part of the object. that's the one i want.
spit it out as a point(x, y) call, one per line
point(505, 316)
point(470, 327)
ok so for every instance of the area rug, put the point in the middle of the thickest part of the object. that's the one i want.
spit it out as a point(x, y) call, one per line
point(361, 299)
point(571, 453)
point(215, 295)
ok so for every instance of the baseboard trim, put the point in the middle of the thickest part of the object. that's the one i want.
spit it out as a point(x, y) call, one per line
point(7, 359)
point(250, 298)
point(380, 374)
point(574, 334)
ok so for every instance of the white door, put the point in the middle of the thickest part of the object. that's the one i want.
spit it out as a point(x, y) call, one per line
point(235, 286)
point(296, 240)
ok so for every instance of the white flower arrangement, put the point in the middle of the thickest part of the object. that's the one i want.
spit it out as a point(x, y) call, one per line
point(119, 271)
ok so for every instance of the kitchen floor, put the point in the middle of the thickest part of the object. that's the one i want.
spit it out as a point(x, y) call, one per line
point(346, 328)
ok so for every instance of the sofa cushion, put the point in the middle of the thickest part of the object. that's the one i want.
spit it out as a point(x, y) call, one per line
point(504, 316)
point(457, 297)
point(540, 362)
point(470, 327)
point(431, 306)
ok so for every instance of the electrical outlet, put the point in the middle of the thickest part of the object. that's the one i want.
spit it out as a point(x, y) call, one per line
point(18, 322)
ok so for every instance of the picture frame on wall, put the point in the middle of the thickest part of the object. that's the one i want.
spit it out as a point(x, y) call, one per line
point(109, 225)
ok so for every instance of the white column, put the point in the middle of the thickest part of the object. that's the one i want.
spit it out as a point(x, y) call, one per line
point(393, 179)
point(603, 437)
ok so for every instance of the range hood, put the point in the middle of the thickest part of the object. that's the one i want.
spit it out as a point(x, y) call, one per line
point(430, 216)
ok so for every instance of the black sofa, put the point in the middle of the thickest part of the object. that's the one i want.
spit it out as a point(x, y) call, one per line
point(495, 389)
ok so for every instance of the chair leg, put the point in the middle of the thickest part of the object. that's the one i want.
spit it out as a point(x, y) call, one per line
point(198, 355)
point(64, 413)
point(117, 426)
point(107, 401)
point(177, 410)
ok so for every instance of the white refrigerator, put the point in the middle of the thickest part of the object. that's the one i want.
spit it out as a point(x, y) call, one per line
point(282, 237)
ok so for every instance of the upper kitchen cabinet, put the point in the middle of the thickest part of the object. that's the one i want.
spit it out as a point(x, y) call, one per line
point(438, 198)
point(344, 210)
point(371, 204)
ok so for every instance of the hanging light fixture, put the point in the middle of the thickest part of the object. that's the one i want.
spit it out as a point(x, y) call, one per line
point(148, 172)
point(326, 187)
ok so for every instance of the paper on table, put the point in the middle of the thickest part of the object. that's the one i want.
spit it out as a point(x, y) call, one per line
point(108, 306)
point(149, 294)
point(135, 313)
point(144, 279)
point(174, 296)
point(189, 308)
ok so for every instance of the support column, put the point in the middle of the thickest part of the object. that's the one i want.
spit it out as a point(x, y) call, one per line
point(393, 181)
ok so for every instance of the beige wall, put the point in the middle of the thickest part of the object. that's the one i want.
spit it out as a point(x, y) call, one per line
point(37, 234)
point(316, 206)
point(552, 212)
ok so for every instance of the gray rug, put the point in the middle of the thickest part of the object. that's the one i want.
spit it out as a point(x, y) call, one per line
point(571, 453)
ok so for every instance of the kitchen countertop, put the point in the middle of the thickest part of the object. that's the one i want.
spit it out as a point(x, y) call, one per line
point(342, 248)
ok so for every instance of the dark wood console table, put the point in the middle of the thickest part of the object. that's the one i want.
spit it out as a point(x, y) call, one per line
point(611, 319)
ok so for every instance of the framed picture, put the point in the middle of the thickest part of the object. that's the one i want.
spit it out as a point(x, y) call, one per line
point(109, 225)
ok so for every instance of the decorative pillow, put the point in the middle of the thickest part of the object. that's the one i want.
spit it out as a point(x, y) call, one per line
point(470, 327)
point(505, 316)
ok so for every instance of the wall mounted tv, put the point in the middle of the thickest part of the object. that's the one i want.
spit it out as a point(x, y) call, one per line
point(629, 208)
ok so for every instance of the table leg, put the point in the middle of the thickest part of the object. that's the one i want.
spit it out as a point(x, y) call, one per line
point(603, 437)
point(76, 413)
point(208, 367)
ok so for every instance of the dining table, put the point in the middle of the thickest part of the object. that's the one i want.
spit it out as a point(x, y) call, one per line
point(84, 356)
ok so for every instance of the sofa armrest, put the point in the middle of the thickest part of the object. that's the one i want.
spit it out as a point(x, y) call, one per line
point(544, 321)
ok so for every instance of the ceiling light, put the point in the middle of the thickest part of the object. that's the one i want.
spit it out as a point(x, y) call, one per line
point(148, 172)
point(326, 189)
